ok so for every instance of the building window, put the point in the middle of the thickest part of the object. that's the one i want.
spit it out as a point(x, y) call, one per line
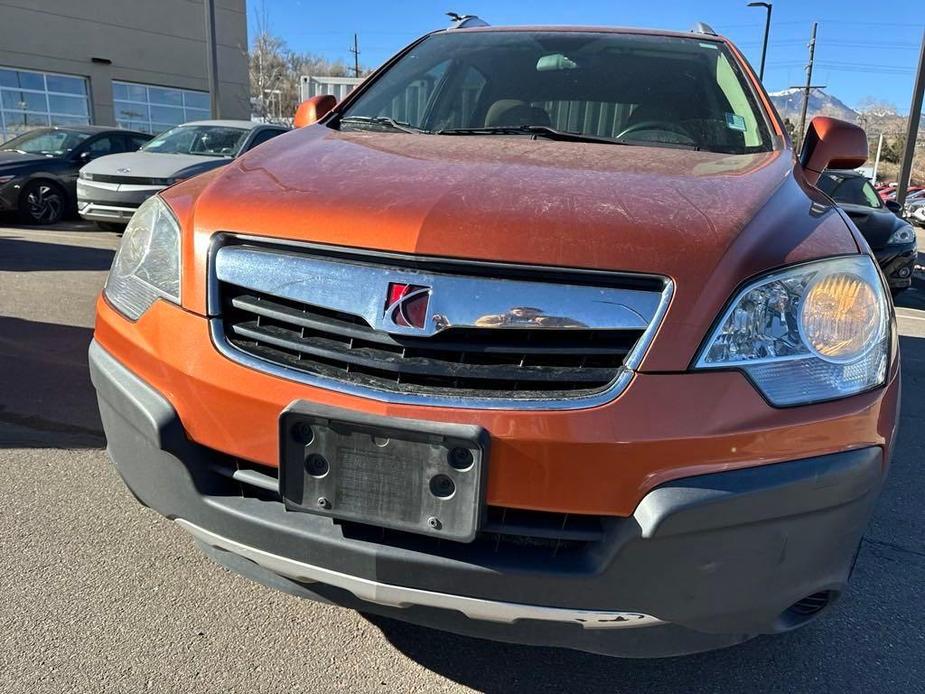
point(31, 99)
point(155, 109)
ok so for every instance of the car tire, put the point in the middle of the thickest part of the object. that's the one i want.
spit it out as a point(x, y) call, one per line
point(42, 202)
point(111, 226)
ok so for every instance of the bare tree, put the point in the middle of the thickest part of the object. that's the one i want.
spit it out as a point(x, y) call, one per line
point(276, 71)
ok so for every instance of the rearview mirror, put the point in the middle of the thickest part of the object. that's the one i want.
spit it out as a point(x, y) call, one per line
point(832, 144)
point(893, 207)
point(314, 109)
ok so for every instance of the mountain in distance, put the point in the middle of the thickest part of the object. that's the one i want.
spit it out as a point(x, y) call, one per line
point(789, 103)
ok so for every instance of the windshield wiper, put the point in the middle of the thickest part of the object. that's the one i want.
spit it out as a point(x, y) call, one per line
point(538, 130)
point(381, 120)
point(9, 149)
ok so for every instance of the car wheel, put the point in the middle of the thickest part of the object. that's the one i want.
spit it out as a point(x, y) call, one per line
point(42, 202)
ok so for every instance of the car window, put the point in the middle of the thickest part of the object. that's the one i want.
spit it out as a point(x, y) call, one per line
point(636, 88)
point(107, 144)
point(50, 142)
point(202, 140)
point(849, 190)
point(263, 136)
point(136, 142)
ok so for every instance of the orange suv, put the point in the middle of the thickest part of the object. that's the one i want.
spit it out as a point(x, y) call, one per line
point(542, 335)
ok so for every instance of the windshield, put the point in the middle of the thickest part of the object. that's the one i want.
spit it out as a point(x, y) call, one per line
point(53, 143)
point(649, 90)
point(204, 140)
point(849, 190)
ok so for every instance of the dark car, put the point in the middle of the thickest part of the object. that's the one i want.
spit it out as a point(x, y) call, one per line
point(891, 238)
point(38, 169)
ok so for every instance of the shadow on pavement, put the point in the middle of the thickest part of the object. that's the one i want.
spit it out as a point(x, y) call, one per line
point(22, 255)
point(46, 399)
point(870, 641)
point(75, 223)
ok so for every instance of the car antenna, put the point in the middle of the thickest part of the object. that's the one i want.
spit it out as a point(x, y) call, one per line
point(464, 21)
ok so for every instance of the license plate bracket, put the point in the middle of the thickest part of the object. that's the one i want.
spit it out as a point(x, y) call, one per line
point(413, 475)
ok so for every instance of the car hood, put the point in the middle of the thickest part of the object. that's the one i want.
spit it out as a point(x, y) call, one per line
point(10, 160)
point(670, 212)
point(875, 225)
point(153, 165)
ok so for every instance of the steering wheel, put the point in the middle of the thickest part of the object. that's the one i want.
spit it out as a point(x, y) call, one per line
point(664, 125)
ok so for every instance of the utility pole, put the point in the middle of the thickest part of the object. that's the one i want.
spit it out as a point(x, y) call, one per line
point(767, 29)
point(356, 56)
point(912, 132)
point(873, 177)
point(809, 83)
point(212, 57)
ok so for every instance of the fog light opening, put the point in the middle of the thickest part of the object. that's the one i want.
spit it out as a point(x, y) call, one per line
point(806, 609)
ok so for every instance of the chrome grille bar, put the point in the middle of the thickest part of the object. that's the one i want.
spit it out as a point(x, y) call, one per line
point(484, 341)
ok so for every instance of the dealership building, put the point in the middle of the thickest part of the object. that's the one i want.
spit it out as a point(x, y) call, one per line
point(137, 64)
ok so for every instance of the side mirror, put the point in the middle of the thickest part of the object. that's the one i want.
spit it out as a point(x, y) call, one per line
point(314, 109)
point(894, 207)
point(85, 156)
point(832, 144)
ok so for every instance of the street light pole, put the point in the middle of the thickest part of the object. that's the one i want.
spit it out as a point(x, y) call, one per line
point(767, 29)
point(912, 131)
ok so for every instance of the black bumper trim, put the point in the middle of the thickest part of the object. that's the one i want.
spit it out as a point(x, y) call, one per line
point(721, 556)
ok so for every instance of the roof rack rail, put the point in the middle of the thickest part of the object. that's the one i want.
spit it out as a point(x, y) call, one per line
point(464, 21)
point(703, 28)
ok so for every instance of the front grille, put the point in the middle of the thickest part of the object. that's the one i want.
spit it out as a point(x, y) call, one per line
point(129, 180)
point(465, 361)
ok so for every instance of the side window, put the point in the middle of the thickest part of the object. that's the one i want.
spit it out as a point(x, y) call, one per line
point(263, 136)
point(460, 111)
point(107, 144)
point(742, 118)
point(136, 142)
point(410, 105)
point(873, 200)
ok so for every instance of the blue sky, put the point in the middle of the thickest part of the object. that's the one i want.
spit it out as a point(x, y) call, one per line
point(864, 48)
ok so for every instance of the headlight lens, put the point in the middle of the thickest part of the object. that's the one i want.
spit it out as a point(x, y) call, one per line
point(147, 264)
point(85, 176)
point(814, 332)
point(904, 234)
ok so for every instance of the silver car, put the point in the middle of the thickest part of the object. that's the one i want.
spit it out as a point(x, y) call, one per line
point(111, 188)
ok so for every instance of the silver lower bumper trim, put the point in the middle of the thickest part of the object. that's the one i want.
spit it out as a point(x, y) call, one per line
point(400, 596)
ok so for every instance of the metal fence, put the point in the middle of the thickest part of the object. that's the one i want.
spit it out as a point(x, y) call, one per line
point(338, 87)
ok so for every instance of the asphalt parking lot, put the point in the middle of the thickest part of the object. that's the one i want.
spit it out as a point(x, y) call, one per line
point(98, 594)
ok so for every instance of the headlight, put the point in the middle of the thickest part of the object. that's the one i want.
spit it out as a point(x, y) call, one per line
point(85, 176)
point(810, 333)
point(147, 264)
point(904, 234)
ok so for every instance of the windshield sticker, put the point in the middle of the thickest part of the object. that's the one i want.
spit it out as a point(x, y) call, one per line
point(735, 122)
point(711, 46)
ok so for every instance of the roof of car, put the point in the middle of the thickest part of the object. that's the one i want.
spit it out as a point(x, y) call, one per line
point(593, 29)
point(93, 129)
point(245, 124)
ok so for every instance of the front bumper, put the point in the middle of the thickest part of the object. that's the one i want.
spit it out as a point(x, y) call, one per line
point(9, 194)
point(703, 562)
point(111, 202)
point(898, 264)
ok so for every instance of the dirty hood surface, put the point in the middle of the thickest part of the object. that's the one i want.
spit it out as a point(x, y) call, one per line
point(675, 213)
point(504, 198)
